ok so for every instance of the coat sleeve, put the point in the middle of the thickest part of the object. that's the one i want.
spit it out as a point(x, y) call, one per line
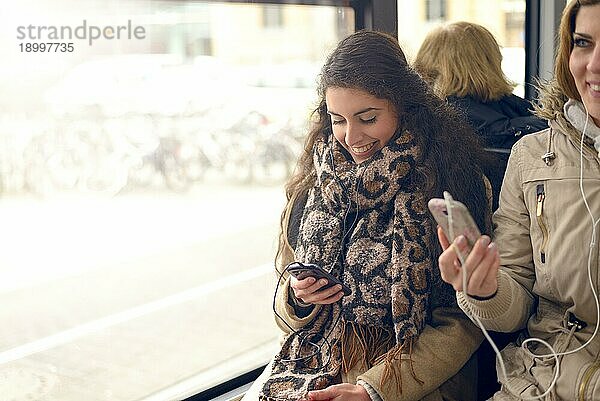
point(512, 305)
point(440, 351)
point(287, 310)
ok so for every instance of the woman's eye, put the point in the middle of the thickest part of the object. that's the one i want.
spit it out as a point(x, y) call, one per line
point(580, 42)
point(369, 120)
point(336, 122)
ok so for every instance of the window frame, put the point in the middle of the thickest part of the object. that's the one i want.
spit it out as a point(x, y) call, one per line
point(542, 20)
point(380, 15)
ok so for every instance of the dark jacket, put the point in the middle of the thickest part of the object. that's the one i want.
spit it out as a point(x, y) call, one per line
point(500, 123)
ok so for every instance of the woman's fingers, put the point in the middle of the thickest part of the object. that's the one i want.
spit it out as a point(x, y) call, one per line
point(484, 282)
point(449, 262)
point(309, 286)
point(326, 394)
point(478, 258)
point(332, 299)
point(480, 267)
point(442, 238)
point(309, 291)
point(301, 284)
point(324, 296)
point(474, 258)
point(449, 267)
point(305, 286)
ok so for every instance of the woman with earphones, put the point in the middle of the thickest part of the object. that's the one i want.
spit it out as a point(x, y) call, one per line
point(380, 145)
point(541, 271)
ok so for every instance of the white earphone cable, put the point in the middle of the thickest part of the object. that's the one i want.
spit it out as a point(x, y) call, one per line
point(552, 353)
point(449, 201)
point(591, 246)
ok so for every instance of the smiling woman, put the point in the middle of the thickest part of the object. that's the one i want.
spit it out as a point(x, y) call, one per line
point(356, 207)
point(362, 123)
point(539, 274)
point(584, 62)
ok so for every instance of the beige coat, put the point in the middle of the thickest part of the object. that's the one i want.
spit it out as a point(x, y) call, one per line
point(543, 232)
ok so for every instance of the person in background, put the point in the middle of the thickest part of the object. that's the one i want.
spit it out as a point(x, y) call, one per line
point(376, 152)
point(462, 62)
point(541, 272)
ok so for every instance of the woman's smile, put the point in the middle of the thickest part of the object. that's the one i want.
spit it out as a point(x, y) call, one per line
point(361, 150)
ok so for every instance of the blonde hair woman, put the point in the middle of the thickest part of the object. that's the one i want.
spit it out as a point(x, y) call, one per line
point(463, 63)
point(463, 59)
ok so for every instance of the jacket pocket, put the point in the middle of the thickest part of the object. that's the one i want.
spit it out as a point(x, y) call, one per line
point(518, 365)
point(539, 213)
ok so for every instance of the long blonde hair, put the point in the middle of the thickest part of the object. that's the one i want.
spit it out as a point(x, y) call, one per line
point(463, 59)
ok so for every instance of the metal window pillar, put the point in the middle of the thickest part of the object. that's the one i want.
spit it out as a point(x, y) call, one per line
point(542, 19)
point(379, 15)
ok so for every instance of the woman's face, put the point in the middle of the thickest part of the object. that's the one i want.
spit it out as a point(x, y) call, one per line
point(584, 62)
point(362, 123)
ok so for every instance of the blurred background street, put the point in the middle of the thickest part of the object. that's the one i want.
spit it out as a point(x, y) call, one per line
point(119, 298)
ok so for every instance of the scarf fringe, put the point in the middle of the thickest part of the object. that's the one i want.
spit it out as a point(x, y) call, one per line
point(395, 369)
point(372, 346)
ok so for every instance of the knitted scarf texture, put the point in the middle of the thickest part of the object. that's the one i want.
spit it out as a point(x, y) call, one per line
point(367, 224)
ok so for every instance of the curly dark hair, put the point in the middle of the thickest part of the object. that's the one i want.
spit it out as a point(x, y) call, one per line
point(452, 158)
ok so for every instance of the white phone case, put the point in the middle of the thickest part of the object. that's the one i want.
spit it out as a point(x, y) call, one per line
point(462, 222)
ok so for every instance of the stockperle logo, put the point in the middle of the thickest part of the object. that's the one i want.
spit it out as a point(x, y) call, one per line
point(84, 31)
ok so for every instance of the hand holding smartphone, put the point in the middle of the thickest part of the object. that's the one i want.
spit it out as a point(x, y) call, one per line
point(304, 270)
point(456, 221)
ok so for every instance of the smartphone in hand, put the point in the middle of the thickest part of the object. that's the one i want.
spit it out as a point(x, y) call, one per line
point(304, 270)
point(461, 221)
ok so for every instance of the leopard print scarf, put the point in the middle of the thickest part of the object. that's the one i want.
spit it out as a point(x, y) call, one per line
point(366, 223)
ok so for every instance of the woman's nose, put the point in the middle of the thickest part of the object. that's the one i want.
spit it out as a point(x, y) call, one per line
point(353, 134)
point(594, 63)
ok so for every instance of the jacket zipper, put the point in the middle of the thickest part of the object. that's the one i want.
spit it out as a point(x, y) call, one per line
point(585, 380)
point(539, 211)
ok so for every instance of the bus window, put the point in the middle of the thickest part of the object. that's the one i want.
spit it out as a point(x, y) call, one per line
point(143, 149)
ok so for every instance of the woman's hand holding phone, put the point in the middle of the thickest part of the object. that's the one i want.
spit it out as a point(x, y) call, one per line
point(480, 255)
point(481, 266)
point(308, 290)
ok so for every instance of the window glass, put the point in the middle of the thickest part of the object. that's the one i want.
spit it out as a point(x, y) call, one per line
point(504, 18)
point(435, 9)
point(143, 150)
